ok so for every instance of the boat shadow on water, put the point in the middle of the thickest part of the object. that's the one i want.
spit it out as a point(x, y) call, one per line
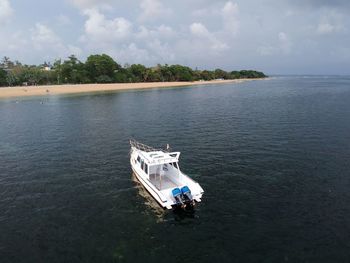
point(178, 213)
point(184, 213)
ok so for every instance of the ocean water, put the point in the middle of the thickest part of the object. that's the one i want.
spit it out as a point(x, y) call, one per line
point(273, 157)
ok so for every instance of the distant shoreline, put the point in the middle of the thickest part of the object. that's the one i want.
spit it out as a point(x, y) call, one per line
point(48, 90)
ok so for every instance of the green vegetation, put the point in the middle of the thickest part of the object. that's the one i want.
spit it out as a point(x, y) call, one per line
point(3, 77)
point(103, 69)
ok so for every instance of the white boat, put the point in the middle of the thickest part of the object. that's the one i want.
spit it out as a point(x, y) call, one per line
point(159, 172)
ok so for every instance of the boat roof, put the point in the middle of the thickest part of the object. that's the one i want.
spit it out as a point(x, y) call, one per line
point(154, 156)
point(160, 157)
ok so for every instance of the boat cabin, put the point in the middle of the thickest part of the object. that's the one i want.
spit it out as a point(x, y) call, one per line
point(161, 168)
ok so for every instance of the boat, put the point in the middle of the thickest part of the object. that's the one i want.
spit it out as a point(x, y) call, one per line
point(159, 172)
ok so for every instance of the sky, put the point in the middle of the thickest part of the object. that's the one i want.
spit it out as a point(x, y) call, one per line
point(276, 37)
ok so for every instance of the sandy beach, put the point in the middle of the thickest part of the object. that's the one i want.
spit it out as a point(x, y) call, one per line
point(26, 91)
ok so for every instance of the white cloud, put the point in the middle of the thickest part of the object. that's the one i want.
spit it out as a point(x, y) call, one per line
point(266, 50)
point(74, 50)
point(63, 20)
point(100, 29)
point(207, 38)
point(43, 36)
point(230, 17)
point(165, 31)
point(282, 37)
point(45, 39)
point(216, 41)
point(14, 42)
point(162, 31)
point(5, 11)
point(219, 46)
point(158, 42)
point(283, 46)
point(290, 13)
point(325, 28)
point(87, 4)
point(163, 50)
point(132, 54)
point(284, 43)
point(118, 38)
point(199, 30)
point(331, 22)
point(200, 12)
point(227, 13)
point(136, 53)
point(153, 9)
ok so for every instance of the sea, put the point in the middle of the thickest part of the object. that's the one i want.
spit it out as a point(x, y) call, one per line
point(273, 158)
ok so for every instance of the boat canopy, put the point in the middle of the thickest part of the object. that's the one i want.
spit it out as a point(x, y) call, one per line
point(154, 156)
point(160, 157)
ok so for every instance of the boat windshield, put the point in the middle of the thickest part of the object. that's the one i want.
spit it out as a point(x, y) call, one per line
point(174, 165)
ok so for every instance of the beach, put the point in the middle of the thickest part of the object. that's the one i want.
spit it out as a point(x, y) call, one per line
point(48, 90)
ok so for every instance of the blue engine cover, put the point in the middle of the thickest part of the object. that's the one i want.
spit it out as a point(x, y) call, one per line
point(185, 190)
point(176, 192)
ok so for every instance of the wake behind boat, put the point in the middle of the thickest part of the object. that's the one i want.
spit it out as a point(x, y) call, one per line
point(158, 171)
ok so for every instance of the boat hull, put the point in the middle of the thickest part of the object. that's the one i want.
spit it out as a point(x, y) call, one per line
point(149, 189)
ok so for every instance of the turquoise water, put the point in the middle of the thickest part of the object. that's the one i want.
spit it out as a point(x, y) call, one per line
point(272, 157)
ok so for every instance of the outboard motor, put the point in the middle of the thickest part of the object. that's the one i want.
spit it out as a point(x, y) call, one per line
point(177, 196)
point(186, 195)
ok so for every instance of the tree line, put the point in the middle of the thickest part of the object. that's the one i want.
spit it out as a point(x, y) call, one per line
point(103, 69)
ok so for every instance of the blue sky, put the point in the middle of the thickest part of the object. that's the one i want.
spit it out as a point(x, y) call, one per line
point(277, 37)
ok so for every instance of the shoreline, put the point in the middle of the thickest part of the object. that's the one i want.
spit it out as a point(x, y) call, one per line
point(48, 90)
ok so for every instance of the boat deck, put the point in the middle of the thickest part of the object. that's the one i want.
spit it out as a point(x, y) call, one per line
point(164, 183)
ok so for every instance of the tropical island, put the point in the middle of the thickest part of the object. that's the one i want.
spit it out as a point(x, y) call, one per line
point(102, 72)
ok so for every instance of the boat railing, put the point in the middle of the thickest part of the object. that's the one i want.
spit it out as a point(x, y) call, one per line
point(144, 147)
